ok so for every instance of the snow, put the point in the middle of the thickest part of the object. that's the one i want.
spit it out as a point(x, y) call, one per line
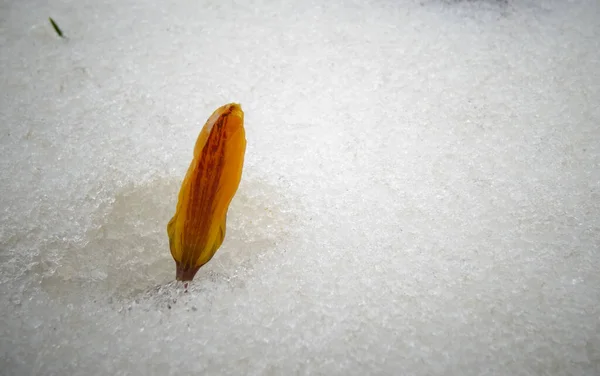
point(420, 196)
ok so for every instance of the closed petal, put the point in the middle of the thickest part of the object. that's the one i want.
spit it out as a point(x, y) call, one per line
point(198, 227)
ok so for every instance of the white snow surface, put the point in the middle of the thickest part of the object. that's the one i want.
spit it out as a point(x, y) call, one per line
point(421, 191)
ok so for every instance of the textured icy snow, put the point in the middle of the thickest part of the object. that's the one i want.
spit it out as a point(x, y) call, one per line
point(421, 192)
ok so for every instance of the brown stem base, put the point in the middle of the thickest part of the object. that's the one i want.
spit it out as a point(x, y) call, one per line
point(186, 273)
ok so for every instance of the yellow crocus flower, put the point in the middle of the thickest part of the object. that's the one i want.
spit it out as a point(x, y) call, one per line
point(197, 229)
